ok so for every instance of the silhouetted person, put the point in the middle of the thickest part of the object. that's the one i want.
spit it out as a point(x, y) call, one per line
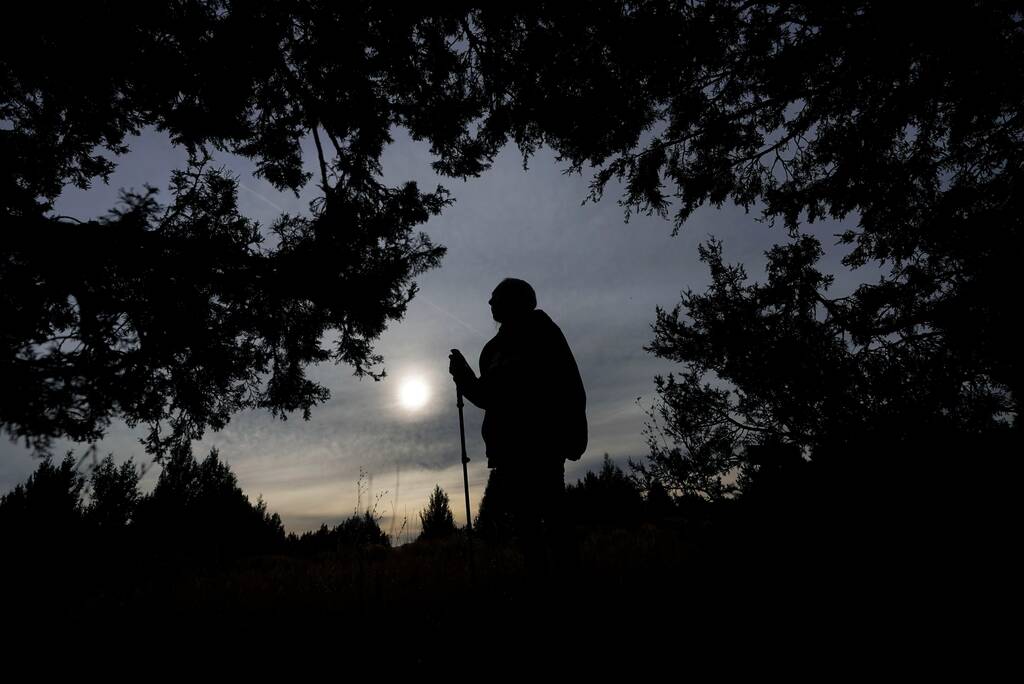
point(535, 404)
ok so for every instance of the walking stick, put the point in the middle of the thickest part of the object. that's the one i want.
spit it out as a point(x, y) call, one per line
point(465, 460)
point(465, 480)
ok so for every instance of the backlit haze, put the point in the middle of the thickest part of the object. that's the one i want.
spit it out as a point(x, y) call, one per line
point(597, 277)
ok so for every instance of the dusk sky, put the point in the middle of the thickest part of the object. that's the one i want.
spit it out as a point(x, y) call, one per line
point(596, 276)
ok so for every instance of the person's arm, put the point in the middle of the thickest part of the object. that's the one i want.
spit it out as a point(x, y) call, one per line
point(472, 387)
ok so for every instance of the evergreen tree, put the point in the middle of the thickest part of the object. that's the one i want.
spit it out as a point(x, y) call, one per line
point(437, 519)
point(198, 507)
point(356, 533)
point(776, 375)
point(45, 513)
point(114, 494)
point(608, 497)
point(658, 504)
point(360, 532)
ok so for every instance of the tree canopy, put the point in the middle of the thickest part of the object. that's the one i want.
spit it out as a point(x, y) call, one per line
point(903, 121)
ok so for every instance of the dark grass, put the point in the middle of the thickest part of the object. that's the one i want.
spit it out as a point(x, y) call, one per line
point(654, 588)
point(442, 583)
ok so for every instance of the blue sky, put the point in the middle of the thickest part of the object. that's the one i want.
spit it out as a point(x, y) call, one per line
point(597, 277)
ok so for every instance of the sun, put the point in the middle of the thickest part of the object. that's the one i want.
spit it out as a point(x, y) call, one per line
point(413, 393)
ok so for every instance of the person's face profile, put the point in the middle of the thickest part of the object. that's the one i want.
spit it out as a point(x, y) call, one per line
point(495, 305)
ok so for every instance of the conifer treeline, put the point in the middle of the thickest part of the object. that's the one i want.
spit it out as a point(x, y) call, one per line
point(198, 509)
point(195, 509)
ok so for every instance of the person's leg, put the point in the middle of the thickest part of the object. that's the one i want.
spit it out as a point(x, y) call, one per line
point(539, 515)
point(497, 508)
point(551, 495)
point(524, 514)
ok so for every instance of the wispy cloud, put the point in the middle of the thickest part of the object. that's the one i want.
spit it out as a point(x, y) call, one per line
point(452, 316)
point(260, 196)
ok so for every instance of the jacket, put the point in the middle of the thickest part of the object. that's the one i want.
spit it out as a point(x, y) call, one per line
point(532, 394)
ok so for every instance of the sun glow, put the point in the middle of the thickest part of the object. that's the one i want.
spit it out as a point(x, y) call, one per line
point(413, 393)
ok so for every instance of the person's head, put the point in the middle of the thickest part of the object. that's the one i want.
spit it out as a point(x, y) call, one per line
point(511, 299)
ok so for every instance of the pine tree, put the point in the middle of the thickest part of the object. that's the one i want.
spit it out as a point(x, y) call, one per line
point(45, 513)
point(437, 519)
point(608, 497)
point(114, 493)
